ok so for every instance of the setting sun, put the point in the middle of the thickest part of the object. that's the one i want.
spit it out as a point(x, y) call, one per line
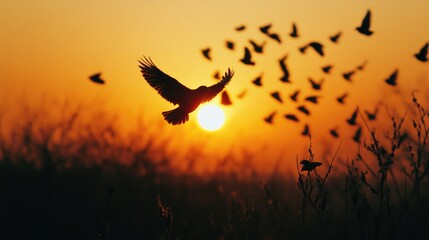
point(211, 117)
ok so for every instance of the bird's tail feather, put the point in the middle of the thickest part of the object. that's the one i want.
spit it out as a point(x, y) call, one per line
point(176, 116)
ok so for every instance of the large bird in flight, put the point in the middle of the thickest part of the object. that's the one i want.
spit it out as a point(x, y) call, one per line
point(176, 93)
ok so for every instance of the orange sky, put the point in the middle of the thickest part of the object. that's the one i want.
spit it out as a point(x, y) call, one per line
point(49, 48)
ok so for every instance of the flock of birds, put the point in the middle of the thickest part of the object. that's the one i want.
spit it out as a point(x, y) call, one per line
point(247, 59)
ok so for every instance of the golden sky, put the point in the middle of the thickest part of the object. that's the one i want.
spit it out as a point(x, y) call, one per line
point(49, 48)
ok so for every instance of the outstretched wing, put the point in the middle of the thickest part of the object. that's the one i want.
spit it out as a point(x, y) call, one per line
point(168, 87)
point(213, 90)
point(367, 20)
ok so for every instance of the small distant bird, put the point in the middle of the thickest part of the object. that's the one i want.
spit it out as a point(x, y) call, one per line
point(306, 130)
point(362, 66)
point(341, 98)
point(348, 75)
point(315, 85)
point(247, 59)
point(240, 28)
point(258, 80)
point(225, 100)
point(313, 99)
point(242, 94)
point(285, 77)
point(176, 93)
point(265, 28)
point(230, 45)
point(206, 53)
point(309, 166)
point(352, 119)
point(318, 47)
point(334, 38)
point(334, 133)
point(291, 117)
point(358, 135)
point(96, 78)
point(372, 115)
point(327, 69)
point(422, 54)
point(275, 37)
point(276, 95)
point(294, 96)
point(391, 80)
point(258, 48)
point(216, 75)
point(294, 32)
point(269, 119)
point(304, 110)
point(366, 24)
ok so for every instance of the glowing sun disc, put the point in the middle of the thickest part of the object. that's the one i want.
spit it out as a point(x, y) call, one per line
point(210, 117)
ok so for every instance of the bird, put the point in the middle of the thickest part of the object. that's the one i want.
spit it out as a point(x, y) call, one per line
point(247, 59)
point(362, 66)
point(309, 166)
point(372, 115)
point(334, 133)
point(176, 93)
point(365, 25)
point(269, 119)
point(276, 95)
point(206, 53)
point(358, 135)
point(315, 85)
point(313, 99)
point(318, 47)
point(348, 75)
point(275, 36)
point(341, 98)
point(265, 28)
point(306, 130)
point(334, 38)
point(291, 117)
point(225, 100)
point(285, 77)
point(230, 45)
point(422, 54)
point(353, 117)
point(96, 78)
point(240, 28)
point(256, 47)
point(327, 69)
point(294, 95)
point(303, 109)
point(242, 94)
point(258, 80)
point(391, 80)
point(294, 32)
point(216, 75)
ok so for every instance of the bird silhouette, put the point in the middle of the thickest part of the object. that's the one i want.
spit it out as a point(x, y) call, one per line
point(265, 28)
point(306, 130)
point(258, 80)
point(366, 24)
point(341, 99)
point(362, 66)
point(270, 118)
point(353, 117)
point(206, 53)
point(327, 69)
point(96, 78)
point(242, 94)
point(294, 32)
point(294, 95)
point(422, 54)
point(348, 75)
point(176, 93)
point(358, 135)
point(303, 109)
point(291, 117)
point(334, 38)
point(225, 100)
point(313, 99)
point(230, 45)
point(275, 37)
point(334, 133)
point(372, 115)
point(391, 80)
point(240, 28)
point(309, 166)
point(216, 75)
point(318, 47)
point(285, 77)
point(276, 95)
point(259, 48)
point(315, 85)
point(247, 59)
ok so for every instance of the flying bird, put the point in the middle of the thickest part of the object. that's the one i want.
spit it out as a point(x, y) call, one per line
point(247, 59)
point(242, 94)
point(422, 54)
point(265, 28)
point(358, 135)
point(341, 99)
point(269, 119)
point(366, 24)
point(327, 69)
point(275, 37)
point(96, 78)
point(225, 100)
point(240, 28)
point(334, 38)
point(315, 85)
point(362, 66)
point(176, 93)
point(306, 130)
point(206, 53)
point(258, 80)
point(216, 75)
point(294, 96)
point(372, 115)
point(313, 99)
point(230, 45)
point(291, 117)
point(348, 75)
point(259, 48)
point(318, 47)
point(304, 110)
point(391, 80)
point(294, 32)
point(285, 77)
point(353, 117)
point(334, 133)
point(276, 95)
point(309, 166)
